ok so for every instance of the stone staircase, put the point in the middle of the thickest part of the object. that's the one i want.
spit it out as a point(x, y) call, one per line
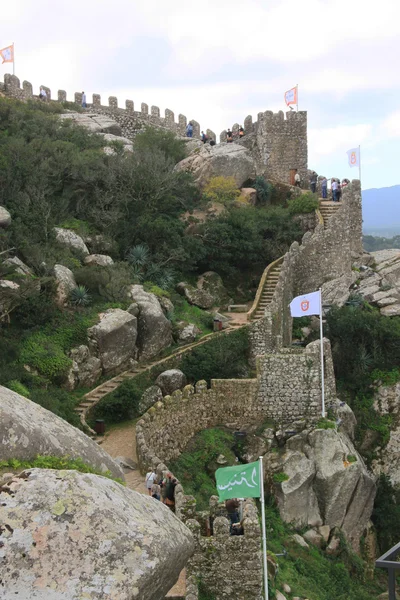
point(327, 209)
point(265, 290)
point(90, 399)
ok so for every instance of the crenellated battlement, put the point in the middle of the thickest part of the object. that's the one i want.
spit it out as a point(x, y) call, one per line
point(12, 88)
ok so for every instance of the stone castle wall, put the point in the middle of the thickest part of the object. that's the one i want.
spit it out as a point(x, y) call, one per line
point(278, 144)
point(130, 120)
point(323, 255)
point(287, 387)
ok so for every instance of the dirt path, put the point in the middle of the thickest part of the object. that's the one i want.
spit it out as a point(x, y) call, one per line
point(121, 441)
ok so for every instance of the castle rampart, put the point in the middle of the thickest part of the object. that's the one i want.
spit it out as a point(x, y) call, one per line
point(324, 255)
point(131, 121)
point(278, 142)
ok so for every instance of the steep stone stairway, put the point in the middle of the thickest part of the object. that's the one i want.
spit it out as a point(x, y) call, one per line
point(327, 209)
point(265, 290)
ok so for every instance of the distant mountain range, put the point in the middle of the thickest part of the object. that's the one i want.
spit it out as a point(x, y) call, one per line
point(381, 211)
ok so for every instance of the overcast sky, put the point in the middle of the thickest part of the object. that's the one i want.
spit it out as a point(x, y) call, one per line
point(217, 61)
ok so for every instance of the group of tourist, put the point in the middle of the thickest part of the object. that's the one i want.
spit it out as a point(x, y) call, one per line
point(205, 139)
point(162, 489)
point(337, 186)
point(230, 135)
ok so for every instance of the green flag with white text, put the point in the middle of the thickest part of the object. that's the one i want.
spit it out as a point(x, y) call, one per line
point(240, 481)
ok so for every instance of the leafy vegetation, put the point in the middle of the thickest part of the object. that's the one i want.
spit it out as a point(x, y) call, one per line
point(280, 477)
point(225, 357)
point(386, 514)
point(221, 189)
point(80, 296)
point(264, 190)
point(59, 463)
point(121, 404)
point(372, 243)
point(196, 466)
point(303, 204)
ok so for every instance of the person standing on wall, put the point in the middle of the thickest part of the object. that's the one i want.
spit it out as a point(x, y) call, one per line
point(334, 187)
point(229, 136)
point(324, 188)
point(83, 100)
point(313, 182)
point(150, 478)
point(189, 130)
point(241, 132)
point(43, 94)
point(204, 137)
point(297, 179)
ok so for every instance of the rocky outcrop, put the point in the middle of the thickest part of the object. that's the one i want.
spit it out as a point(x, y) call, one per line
point(96, 123)
point(387, 402)
point(379, 280)
point(194, 295)
point(5, 217)
point(98, 260)
point(150, 396)
point(337, 291)
point(113, 340)
point(209, 291)
point(187, 334)
point(65, 283)
point(85, 370)
point(70, 239)
point(28, 430)
point(171, 380)
point(18, 266)
point(71, 535)
point(154, 329)
point(327, 484)
point(249, 195)
point(226, 160)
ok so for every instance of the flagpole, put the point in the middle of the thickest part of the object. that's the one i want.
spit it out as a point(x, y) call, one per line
point(359, 163)
point(321, 332)
point(264, 535)
point(13, 58)
point(297, 97)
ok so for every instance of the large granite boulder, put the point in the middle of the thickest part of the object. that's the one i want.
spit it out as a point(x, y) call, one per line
point(224, 160)
point(18, 266)
point(70, 239)
point(72, 535)
point(98, 260)
point(337, 291)
point(154, 329)
point(65, 283)
point(194, 295)
point(113, 340)
point(96, 123)
point(28, 430)
point(150, 396)
point(387, 264)
point(170, 381)
point(85, 369)
point(5, 217)
point(327, 484)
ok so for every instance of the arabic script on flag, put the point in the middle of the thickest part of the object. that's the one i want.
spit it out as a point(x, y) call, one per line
point(239, 481)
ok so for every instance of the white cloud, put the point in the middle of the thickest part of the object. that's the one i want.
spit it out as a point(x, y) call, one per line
point(333, 140)
point(391, 125)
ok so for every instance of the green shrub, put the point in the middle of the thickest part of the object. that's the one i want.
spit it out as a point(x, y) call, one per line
point(280, 477)
point(306, 203)
point(298, 325)
point(225, 357)
point(109, 283)
point(221, 189)
point(120, 405)
point(58, 401)
point(264, 190)
point(19, 388)
point(351, 458)
point(325, 424)
point(386, 514)
point(152, 139)
point(59, 463)
point(45, 355)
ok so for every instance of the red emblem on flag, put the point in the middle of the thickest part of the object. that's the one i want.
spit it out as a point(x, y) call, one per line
point(305, 305)
point(353, 158)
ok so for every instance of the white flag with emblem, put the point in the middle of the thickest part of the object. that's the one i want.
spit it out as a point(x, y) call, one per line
point(310, 304)
point(353, 156)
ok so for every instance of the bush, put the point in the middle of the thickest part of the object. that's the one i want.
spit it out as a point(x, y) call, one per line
point(165, 141)
point(58, 401)
point(221, 189)
point(280, 477)
point(225, 357)
point(80, 296)
point(59, 463)
point(45, 355)
point(305, 203)
point(109, 283)
point(386, 514)
point(18, 388)
point(264, 190)
point(325, 424)
point(120, 405)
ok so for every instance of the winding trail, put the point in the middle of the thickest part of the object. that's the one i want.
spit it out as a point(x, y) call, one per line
point(121, 441)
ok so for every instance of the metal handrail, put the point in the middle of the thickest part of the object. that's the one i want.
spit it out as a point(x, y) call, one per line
point(387, 561)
